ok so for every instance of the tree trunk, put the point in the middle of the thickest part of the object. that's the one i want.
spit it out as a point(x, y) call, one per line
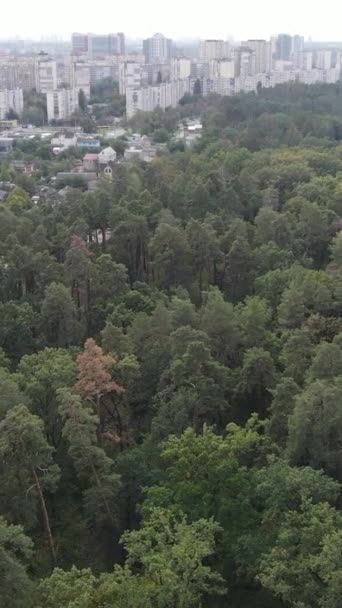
point(23, 287)
point(104, 500)
point(200, 285)
point(103, 230)
point(99, 430)
point(45, 516)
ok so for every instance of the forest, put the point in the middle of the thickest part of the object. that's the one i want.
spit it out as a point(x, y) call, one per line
point(171, 369)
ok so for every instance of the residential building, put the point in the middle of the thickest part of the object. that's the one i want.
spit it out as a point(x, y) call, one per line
point(224, 68)
point(180, 68)
point(98, 45)
point(45, 74)
point(131, 75)
point(105, 45)
point(64, 140)
point(213, 49)
point(284, 47)
point(304, 61)
point(11, 99)
point(17, 72)
point(157, 49)
point(106, 160)
point(161, 96)
point(297, 44)
point(87, 141)
point(79, 43)
point(61, 104)
point(246, 63)
point(323, 60)
point(80, 77)
point(103, 68)
point(263, 55)
point(154, 73)
point(90, 162)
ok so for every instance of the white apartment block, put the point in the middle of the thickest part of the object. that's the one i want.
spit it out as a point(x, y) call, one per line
point(263, 55)
point(99, 70)
point(161, 96)
point(80, 77)
point(11, 99)
point(130, 76)
point(221, 68)
point(323, 60)
point(45, 74)
point(213, 49)
point(157, 49)
point(180, 68)
point(61, 104)
point(303, 61)
point(17, 72)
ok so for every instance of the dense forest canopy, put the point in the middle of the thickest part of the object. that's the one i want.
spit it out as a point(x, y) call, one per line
point(171, 368)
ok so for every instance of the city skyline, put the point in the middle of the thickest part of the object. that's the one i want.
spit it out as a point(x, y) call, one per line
point(185, 20)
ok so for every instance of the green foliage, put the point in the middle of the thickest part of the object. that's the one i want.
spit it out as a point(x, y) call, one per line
point(15, 548)
point(204, 428)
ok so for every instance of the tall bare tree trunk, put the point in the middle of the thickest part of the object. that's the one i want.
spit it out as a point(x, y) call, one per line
point(104, 500)
point(45, 516)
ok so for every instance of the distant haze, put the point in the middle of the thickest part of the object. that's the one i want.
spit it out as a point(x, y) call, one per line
point(176, 19)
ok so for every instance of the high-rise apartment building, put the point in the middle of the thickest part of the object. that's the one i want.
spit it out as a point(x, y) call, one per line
point(244, 60)
point(297, 44)
point(323, 60)
point(221, 68)
point(98, 45)
point(45, 73)
point(17, 72)
point(103, 68)
point(284, 47)
point(263, 55)
point(61, 104)
point(157, 49)
point(161, 96)
point(80, 76)
point(180, 68)
point(130, 75)
point(213, 49)
point(304, 60)
point(104, 46)
point(79, 43)
point(11, 100)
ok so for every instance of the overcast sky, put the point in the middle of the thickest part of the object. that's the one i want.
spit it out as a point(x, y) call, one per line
point(175, 18)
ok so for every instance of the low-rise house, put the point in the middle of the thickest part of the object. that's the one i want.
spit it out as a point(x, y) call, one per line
point(106, 161)
point(64, 140)
point(87, 142)
point(90, 161)
point(27, 168)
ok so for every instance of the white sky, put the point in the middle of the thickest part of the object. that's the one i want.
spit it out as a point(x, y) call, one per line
point(175, 18)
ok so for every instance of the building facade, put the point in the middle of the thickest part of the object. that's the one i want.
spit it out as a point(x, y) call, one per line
point(11, 99)
point(213, 49)
point(131, 75)
point(180, 68)
point(161, 96)
point(263, 55)
point(98, 45)
point(45, 74)
point(284, 47)
point(157, 49)
point(80, 76)
point(61, 104)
